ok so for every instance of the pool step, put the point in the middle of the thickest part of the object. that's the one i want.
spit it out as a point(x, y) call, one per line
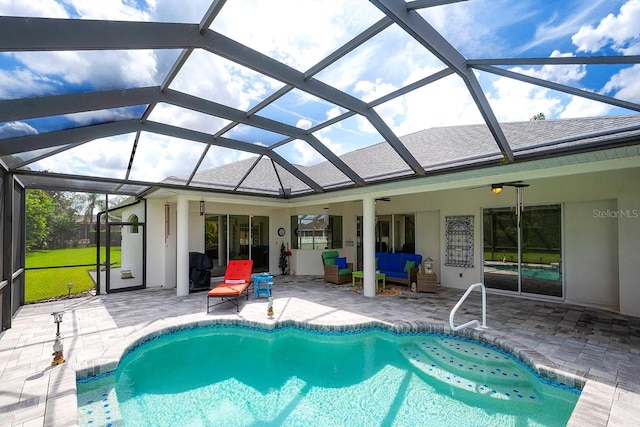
point(472, 367)
point(474, 360)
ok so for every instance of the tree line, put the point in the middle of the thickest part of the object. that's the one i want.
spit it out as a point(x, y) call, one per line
point(60, 219)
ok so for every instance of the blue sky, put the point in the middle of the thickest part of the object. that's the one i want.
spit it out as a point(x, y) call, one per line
point(299, 34)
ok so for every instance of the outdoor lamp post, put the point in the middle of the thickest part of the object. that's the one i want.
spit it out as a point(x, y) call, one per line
point(58, 358)
point(69, 286)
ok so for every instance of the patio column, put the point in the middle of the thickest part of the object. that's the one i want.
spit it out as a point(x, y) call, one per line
point(368, 246)
point(182, 248)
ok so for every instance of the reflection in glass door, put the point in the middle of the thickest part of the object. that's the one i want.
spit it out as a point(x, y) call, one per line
point(236, 237)
point(359, 255)
point(260, 243)
point(383, 233)
point(215, 240)
point(524, 259)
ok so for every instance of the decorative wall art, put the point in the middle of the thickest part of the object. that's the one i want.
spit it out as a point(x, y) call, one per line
point(459, 244)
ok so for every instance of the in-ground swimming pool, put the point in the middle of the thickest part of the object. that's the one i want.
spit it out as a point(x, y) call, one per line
point(240, 376)
point(531, 271)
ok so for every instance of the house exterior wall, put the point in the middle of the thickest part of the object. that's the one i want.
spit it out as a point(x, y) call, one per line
point(196, 228)
point(428, 237)
point(132, 243)
point(591, 258)
point(161, 254)
point(600, 252)
point(629, 244)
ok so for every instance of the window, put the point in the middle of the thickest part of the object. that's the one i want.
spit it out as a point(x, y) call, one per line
point(133, 229)
point(316, 231)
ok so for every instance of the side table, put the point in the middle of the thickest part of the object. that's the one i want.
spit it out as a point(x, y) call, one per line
point(427, 282)
point(360, 275)
point(262, 285)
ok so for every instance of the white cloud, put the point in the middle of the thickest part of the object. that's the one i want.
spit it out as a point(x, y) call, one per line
point(304, 124)
point(517, 101)
point(117, 10)
point(15, 129)
point(90, 117)
point(297, 34)
point(101, 69)
point(22, 83)
point(579, 107)
point(208, 76)
point(304, 154)
point(177, 116)
point(335, 147)
point(373, 90)
point(560, 26)
point(158, 157)
point(105, 157)
point(565, 74)
point(39, 8)
point(620, 31)
point(443, 103)
point(625, 84)
point(333, 112)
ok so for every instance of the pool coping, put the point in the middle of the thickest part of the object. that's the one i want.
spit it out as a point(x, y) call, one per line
point(594, 403)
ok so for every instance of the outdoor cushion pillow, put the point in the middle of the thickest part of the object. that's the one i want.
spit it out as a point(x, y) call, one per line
point(341, 262)
point(329, 261)
point(408, 265)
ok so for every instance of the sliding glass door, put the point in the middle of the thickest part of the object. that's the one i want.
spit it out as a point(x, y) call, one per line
point(525, 257)
point(237, 237)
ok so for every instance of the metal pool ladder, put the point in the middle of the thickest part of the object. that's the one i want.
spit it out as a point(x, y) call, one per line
point(474, 321)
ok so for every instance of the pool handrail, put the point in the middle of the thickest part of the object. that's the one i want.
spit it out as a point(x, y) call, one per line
point(474, 321)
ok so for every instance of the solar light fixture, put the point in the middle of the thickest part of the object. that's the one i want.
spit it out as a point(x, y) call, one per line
point(58, 358)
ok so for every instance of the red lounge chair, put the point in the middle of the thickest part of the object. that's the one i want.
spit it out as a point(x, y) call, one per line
point(237, 280)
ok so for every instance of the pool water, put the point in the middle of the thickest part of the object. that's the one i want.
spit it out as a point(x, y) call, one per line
point(239, 376)
point(537, 272)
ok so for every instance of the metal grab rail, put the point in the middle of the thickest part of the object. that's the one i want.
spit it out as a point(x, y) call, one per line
point(474, 321)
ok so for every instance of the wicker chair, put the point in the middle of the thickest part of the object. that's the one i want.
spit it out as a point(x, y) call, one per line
point(332, 272)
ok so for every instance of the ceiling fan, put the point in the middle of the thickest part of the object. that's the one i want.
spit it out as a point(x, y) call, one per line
point(382, 199)
point(497, 188)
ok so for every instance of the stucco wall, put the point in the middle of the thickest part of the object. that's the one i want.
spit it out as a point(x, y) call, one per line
point(600, 255)
point(161, 255)
point(591, 253)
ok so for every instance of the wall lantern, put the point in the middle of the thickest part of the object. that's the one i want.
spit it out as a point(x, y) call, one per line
point(201, 207)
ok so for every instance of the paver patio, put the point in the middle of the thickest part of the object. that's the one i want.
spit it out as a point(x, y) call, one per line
point(592, 345)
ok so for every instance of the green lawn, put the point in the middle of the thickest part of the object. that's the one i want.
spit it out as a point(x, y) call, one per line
point(69, 256)
point(52, 282)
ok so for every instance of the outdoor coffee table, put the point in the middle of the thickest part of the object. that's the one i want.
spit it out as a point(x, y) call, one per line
point(360, 275)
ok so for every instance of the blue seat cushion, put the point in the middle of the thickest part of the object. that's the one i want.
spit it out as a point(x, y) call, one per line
point(398, 274)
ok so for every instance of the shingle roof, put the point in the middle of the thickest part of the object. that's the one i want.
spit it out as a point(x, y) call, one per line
point(437, 148)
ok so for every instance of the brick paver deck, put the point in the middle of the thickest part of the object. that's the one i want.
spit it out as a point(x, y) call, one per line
point(596, 348)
